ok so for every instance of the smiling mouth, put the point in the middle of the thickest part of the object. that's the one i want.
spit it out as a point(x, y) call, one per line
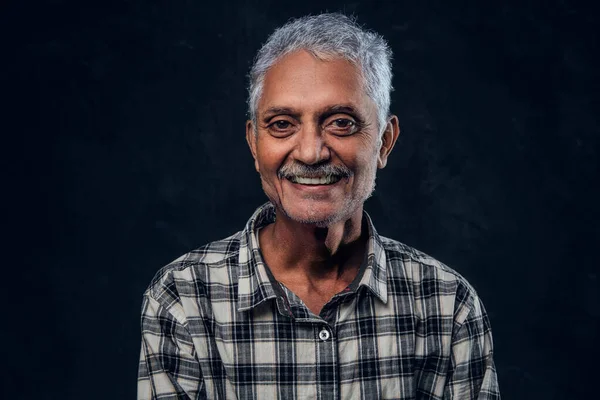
point(326, 180)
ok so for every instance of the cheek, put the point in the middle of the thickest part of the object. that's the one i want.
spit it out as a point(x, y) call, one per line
point(364, 162)
point(267, 169)
point(269, 155)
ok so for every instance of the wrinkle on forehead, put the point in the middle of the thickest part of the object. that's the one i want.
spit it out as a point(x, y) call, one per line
point(302, 81)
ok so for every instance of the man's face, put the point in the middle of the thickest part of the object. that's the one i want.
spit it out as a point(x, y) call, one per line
point(317, 145)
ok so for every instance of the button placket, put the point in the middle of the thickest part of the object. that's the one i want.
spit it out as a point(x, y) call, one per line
point(327, 363)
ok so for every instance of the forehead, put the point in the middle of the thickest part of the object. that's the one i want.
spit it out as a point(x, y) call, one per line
point(303, 82)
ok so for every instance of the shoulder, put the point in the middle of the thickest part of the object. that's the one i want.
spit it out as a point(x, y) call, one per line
point(419, 266)
point(430, 281)
point(191, 272)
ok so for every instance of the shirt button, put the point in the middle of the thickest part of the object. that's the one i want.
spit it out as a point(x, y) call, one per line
point(324, 334)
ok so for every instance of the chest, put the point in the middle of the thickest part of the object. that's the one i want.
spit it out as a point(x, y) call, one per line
point(366, 350)
point(313, 296)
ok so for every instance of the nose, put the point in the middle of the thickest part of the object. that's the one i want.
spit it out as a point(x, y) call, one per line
point(311, 147)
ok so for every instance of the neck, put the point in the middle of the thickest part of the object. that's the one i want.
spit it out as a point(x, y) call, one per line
point(316, 252)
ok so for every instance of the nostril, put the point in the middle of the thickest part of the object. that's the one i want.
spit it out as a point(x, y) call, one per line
point(314, 154)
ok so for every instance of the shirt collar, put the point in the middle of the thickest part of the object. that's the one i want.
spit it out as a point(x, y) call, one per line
point(254, 285)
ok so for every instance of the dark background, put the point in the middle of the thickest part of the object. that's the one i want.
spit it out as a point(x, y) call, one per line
point(123, 148)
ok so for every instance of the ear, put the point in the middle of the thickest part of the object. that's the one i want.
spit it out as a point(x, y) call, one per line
point(251, 138)
point(388, 140)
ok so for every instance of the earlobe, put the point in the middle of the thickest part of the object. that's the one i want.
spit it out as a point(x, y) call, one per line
point(388, 140)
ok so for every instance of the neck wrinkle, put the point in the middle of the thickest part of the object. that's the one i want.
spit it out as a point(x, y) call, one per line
point(315, 252)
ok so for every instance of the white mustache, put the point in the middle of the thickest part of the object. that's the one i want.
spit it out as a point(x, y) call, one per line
point(291, 171)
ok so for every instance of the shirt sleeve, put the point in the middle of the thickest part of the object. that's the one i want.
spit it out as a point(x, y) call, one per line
point(472, 374)
point(168, 367)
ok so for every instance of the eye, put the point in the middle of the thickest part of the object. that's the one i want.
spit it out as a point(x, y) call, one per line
point(281, 127)
point(343, 123)
point(342, 126)
point(281, 124)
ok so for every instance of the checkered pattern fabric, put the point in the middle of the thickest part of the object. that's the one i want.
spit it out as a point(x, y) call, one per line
point(216, 325)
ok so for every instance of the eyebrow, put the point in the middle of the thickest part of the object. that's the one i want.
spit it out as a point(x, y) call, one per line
point(343, 109)
point(340, 108)
point(324, 112)
point(272, 111)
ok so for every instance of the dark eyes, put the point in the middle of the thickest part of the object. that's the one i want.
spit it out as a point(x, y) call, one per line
point(281, 124)
point(337, 126)
point(343, 123)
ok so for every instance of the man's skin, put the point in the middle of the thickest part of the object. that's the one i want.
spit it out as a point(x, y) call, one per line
point(317, 112)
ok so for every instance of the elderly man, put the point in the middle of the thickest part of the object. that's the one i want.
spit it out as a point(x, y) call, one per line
point(308, 301)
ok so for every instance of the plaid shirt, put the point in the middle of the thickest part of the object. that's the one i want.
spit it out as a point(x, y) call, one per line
point(216, 325)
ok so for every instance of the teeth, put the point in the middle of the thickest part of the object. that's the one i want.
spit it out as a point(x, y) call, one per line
point(326, 180)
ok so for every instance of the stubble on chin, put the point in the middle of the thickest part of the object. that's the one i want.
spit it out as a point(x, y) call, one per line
point(311, 215)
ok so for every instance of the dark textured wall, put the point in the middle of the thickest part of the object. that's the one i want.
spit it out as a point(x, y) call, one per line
point(123, 134)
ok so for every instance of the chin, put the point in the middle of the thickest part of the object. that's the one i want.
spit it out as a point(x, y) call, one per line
point(321, 215)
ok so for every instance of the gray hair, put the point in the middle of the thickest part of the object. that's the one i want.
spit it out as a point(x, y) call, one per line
point(327, 36)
